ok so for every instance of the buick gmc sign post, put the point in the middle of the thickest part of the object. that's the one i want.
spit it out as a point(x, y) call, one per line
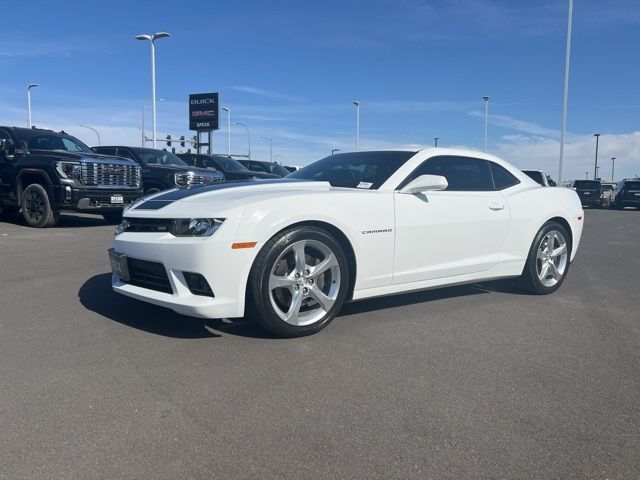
point(203, 111)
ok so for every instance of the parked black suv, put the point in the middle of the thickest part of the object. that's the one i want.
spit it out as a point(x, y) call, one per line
point(627, 193)
point(266, 167)
point(230, 168)
point(161, 169)
point(43, 172)
point(589, 191)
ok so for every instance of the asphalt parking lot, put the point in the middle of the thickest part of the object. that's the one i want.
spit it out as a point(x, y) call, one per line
point(466, 382)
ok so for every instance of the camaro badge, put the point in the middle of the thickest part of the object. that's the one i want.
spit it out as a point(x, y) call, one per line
point(384, 230)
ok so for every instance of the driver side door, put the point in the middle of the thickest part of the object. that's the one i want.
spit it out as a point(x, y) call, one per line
point(457, 231)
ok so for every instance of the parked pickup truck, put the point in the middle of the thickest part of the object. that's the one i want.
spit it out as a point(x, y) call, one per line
point(43, 172)
point(162, 170)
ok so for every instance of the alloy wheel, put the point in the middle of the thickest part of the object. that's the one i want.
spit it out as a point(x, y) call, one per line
point(35, 207)
point(552, 258)
point(304, 282)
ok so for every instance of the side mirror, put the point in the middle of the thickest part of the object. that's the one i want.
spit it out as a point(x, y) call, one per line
point(425, 183)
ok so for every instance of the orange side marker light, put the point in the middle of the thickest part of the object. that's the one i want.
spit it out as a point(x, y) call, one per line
point(237, 246)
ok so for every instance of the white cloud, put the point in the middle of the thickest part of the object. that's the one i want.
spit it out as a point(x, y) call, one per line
point(544, 153)
point(266, 93)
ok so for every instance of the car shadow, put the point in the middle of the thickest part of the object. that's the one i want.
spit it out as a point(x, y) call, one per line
point(97, 296)
point(71, 220)
point(440, 293)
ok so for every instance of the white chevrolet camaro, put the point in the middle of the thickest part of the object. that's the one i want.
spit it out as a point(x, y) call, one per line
point(290, 252)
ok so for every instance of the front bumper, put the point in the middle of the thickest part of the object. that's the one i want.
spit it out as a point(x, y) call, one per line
point(226, 270)
point(67, 197)
point(629, 202)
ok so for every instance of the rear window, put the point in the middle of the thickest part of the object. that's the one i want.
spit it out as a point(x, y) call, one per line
point(587, 184)
point(632, 185)
point(535, 176)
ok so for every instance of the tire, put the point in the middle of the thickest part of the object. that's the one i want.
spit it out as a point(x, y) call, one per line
point(151, 191)
point(538, 279)
point(36, 207)
point(112, 218)
point(282, 279)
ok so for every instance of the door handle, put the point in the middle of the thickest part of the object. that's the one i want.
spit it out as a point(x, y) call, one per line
point(496, 206)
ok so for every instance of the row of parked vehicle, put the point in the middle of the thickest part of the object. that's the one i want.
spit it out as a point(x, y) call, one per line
point(43, 172)
point(596, 193)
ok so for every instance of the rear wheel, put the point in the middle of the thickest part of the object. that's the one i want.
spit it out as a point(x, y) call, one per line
point(36, 207)
point(548, 261)
point(298, 282)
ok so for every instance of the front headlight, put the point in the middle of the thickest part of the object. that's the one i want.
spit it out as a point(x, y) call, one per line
point(71, 170)
point(123, 227)
point(195, 227)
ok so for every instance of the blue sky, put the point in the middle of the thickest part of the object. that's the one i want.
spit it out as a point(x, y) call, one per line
point(290, 71)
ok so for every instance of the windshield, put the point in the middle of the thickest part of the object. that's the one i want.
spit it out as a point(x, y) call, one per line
point(228, 164)
point(368, 170)
point(52, 141)
point(277, 169)
point(535, 175)
point(587, 184)
point(159, 157)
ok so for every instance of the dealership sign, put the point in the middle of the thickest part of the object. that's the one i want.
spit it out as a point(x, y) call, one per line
point(203, 111)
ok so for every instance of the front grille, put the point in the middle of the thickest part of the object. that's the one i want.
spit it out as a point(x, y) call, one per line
point(190, 178)
point(96, 174)
point(151, 275)
point(155, 225)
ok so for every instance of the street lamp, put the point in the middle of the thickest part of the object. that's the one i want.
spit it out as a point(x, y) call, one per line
point(436, 140)
point(565, 95)
point(152, 39)
point(334, 150)
point(357, 105)
point(29, 87)
point(486, 120)
point(91, 128)
point(248, 136)
point(595, 168)
point(613, 166)
point(270, 147)
point(144, 138)
point(586, 175)
point(228, 110)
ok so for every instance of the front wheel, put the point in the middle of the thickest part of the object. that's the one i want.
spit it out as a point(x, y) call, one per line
point(548, 261)
point(36, 207)
point(298, 282)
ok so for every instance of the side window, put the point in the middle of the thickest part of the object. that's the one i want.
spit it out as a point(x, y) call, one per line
point(256, 167)
point(463, 174)
point(502, 178)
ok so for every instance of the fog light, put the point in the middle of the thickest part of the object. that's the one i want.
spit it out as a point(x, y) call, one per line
point(197, 284)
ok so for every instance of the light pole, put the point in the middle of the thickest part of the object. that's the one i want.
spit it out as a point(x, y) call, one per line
point(334, 150)
point(595, 168)
point(586, 175)
point(228, 110)
point(565, 95)
point(357, 105)
point(29, 87)
point(486, 120)
point(613, 166)
point(270, 147)
point(91, 128)
point(144, 138)
point(435, 139)
point(248, 136)
point(152, 39)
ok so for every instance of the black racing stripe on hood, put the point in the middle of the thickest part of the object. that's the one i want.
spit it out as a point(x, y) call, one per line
point(174, 195)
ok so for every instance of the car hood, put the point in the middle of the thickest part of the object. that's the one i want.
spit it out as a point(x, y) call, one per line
point(228, 195)
point(80, 156)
